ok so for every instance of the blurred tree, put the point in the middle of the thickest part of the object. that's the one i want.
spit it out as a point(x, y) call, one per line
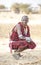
point(40, 7)
point(15, 8)
point(24, 8)
point(2, 7)
point(20, 8)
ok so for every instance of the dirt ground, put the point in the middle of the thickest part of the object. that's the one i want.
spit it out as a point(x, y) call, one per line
point(30, 57)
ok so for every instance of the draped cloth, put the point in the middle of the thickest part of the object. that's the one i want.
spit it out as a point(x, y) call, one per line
point(18, 43)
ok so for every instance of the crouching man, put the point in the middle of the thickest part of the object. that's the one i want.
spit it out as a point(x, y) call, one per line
point(20, 38)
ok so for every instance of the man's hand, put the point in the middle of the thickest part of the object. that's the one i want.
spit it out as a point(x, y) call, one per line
point(28, 39)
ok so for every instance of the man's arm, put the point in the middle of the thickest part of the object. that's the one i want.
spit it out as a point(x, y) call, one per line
point(19, 32)
point(28, 38)
point(28, 33)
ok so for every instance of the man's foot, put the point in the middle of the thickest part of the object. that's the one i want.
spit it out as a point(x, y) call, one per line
point(17, 56)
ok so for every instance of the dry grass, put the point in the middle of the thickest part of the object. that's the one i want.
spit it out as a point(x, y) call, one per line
point(28, 58)
point(5, 29)
point(31, 58)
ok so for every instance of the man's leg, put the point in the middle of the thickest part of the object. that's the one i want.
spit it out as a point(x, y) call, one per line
point(17, 54)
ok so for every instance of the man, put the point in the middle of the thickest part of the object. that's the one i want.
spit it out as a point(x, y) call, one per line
point(20, 37)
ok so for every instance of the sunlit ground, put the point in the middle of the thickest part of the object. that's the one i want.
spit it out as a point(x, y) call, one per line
point(7, 22)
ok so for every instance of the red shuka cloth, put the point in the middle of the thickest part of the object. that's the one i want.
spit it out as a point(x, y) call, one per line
point(19, 43)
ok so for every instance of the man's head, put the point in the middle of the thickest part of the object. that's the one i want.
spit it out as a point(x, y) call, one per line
point(24, 20)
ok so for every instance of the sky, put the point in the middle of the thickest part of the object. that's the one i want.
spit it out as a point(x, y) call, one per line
point(8, 3)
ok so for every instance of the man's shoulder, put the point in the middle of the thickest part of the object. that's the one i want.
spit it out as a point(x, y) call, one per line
point(18, 25)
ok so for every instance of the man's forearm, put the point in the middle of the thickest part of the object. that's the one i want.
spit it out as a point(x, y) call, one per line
point(21, 37)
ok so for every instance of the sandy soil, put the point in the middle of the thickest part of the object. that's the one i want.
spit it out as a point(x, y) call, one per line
point(30, 57)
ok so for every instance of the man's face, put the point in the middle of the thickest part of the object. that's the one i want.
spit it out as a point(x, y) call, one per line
point(25, 23)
